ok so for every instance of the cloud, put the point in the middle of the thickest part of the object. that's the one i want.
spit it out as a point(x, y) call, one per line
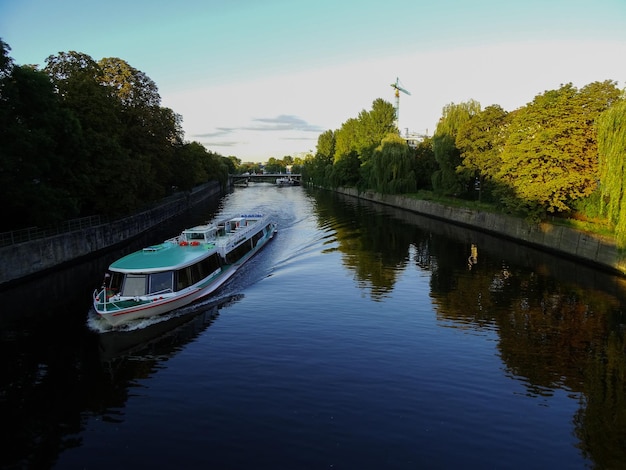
point(284, 122)
point(312, 138)
point(220, 131)
point(223, 143)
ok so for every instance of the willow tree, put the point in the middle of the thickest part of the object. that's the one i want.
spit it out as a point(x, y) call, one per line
point(392, 166)
point(611, 132)
point(447, 180)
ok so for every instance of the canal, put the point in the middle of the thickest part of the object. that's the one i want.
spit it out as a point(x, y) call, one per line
point(361, 337)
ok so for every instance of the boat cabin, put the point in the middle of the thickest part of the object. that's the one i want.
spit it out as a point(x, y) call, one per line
point(200, 234)
point(235, 224)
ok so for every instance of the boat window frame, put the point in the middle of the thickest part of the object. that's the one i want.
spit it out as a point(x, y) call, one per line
point(132, 280)
point(165, 285)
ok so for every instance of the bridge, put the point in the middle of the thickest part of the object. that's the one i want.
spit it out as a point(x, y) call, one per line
point(263, 177)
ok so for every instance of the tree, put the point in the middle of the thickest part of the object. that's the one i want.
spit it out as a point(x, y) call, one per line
point(132, 87)
point(326, 145)
point(345, 171)
point(6, 61)
point(392, 166)
point(233, 163)
point(346, 139)
point(274, 165)
point(35, 133)
point(611, 131)
point(446, 180)
point(100, 172)
point(374, 126)
point(425, 164)
point(481, 142)
point(550, 156)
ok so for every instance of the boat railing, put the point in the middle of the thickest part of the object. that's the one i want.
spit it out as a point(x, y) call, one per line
point(101, 296)
point(164, 291)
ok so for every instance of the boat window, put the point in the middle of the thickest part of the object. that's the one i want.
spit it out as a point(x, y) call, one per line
point(210, 264)
point(134, 284)
point(115, 282)
point(197, 272)
point(161, 282)
point(257, 237)
point(195, 236)
point(182, 279)
point(239, 252)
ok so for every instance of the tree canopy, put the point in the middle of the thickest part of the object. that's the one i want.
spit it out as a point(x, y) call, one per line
point(447, 180)
point(84, 137)
point(550, 155)
point(611, 128)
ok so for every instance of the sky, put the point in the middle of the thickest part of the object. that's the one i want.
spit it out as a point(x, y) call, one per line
point(264, 78)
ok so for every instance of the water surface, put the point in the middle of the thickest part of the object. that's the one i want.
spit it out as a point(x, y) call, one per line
point(360, 337)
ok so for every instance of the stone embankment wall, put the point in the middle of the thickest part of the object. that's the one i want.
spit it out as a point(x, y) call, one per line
point(25, 259)
point(589, 248)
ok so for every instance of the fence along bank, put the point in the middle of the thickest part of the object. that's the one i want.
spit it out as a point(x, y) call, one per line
point(26, 259)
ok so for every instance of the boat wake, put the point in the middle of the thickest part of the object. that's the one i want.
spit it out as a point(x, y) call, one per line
point(298, 251)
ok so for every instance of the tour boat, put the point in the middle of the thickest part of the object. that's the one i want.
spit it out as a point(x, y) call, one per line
point(172, 274)
point(286, 181)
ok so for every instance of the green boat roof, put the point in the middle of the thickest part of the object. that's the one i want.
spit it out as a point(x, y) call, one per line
point(163, 257)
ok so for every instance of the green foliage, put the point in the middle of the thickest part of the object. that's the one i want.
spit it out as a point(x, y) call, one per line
point(363, 134)
point(232, 163)
point(132, 87)
point(326, 144)
point(447, 180)
point(611, 128)
point(392, 167)
point(316, 169)
point(274, 165)
point(343, 156)
point(425, 164)
point(345, 171)
point(550, 156)
point(481, 142)
point(34, 133)
point(83, 137)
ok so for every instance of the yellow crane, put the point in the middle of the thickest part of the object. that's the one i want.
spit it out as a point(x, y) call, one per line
point(398, 89)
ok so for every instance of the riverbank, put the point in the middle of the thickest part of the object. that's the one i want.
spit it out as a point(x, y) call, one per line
point(24, 260)
point(588, 248)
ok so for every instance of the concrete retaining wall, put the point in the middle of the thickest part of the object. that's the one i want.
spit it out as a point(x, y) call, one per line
point(25, 259)
point(589, 248)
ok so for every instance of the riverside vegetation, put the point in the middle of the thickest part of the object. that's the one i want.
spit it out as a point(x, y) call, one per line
point(560, 157)
point(84, 137)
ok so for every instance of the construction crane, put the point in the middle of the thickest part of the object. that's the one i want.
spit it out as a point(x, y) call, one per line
point(398, 89)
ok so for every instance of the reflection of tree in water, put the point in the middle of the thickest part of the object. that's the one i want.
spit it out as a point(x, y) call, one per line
point(601, 421)
point(553, 335)
point(375, 247)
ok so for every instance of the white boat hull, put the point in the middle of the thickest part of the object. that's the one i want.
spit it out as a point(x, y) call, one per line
point(159, 307)
point(117, 310)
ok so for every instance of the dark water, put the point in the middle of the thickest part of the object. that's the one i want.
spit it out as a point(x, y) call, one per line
point(361, 337)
